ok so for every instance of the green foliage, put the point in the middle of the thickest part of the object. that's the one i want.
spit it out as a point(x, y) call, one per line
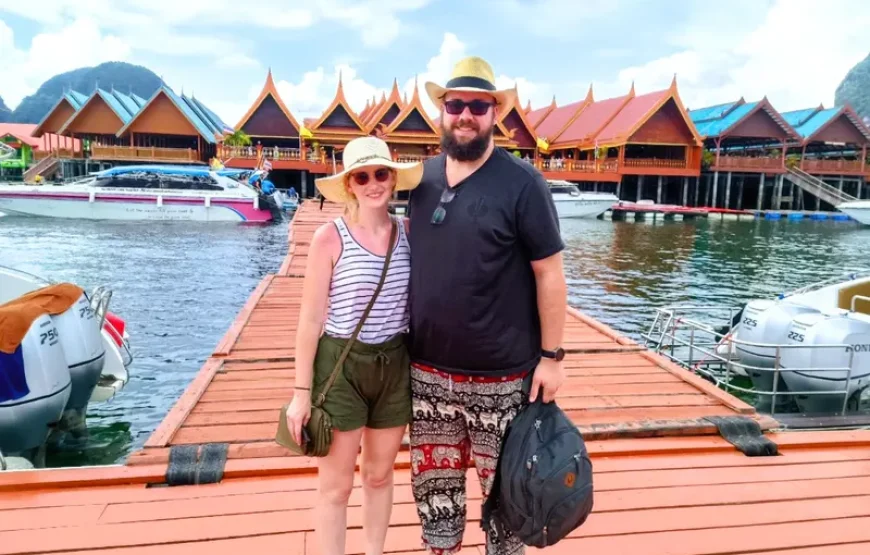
point(122, 76)
point(238, 138)
point(855, 88)
point(792, 160)
point(707, 159)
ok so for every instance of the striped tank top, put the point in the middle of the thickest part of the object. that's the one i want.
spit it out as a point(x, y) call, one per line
point(354, 279)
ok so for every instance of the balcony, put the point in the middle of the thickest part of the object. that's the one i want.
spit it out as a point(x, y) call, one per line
point(144, 154)
point(759, 164)
point(835, 167)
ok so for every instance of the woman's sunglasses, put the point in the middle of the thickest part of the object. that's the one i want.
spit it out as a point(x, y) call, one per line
point(476, 107)
point(381, 175)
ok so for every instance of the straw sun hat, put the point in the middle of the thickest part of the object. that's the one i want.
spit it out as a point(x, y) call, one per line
point(367, 152)
point(472, 74)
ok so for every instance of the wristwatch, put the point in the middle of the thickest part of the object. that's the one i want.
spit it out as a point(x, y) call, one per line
point(557, 355)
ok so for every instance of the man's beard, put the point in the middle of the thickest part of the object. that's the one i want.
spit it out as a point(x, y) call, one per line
point(467, 152)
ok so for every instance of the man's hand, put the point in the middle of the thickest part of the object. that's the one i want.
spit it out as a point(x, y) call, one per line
point(546, 380)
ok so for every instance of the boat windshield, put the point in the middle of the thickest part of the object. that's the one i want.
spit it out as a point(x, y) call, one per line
point(156, 180)
point(564, 190)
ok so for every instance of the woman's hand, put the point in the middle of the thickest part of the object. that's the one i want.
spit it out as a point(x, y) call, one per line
point(298, 414)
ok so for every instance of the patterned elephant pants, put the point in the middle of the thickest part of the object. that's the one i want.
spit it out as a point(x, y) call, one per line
point(457, 419)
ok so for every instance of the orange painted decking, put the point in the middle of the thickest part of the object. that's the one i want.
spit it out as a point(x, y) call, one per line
point(665, 481)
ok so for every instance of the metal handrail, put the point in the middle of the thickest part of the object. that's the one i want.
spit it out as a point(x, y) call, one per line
point(711, 357)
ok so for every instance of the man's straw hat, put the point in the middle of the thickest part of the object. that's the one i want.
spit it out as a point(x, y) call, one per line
point(472, 74)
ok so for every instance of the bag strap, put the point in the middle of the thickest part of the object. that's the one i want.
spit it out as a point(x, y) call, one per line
point(322, 397)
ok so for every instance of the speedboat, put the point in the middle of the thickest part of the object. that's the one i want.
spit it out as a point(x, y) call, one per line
point(571, 202)
point(146, 192)
point(858, 210)
point(69, 357)
point(817, 339)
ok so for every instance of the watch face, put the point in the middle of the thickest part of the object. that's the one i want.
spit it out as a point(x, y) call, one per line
point(560, 353)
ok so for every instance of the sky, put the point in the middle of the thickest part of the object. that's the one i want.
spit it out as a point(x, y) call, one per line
point(795, 52)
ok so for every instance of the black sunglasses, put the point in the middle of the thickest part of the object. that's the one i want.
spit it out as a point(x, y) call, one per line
point(477, 107)
point(440, 212)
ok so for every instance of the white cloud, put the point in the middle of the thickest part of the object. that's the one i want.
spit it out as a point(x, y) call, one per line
point(796, 55)
point(22, 72)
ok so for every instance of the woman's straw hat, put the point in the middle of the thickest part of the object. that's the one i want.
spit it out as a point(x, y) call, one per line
point(472, 74)
point(365, 152)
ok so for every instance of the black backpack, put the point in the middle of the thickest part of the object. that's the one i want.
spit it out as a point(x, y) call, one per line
point(542, 489)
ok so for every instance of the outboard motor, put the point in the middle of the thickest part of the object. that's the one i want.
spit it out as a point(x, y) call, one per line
point(766, 322)
point(34, 384)
point(82, 342)
point(268, 202)
point(837, 327)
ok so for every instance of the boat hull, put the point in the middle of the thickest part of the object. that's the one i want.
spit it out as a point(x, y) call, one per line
point(574, 207)
point(128, 207)
point(858, 211)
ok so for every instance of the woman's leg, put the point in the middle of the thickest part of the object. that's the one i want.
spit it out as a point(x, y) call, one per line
point(380, 447)
point(335, 473)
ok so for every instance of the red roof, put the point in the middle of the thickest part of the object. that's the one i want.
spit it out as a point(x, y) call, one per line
point(24, 133)
point(557, 120)
point(634, 112)
point(593, 118)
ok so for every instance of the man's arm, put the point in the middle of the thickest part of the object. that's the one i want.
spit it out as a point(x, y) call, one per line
point(539, 231)
point(552, 299)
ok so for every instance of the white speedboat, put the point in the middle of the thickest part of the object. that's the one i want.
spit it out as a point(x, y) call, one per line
point(858, 210)
point(817, 338)
point(64, 362)
point(571, 202)
point(149, 192)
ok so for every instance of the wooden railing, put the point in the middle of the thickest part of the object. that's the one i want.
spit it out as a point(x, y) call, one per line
point(143, 153)
point(250, 153)
point(832, 166)
point(679, 164)
point(56, 153)
point(566, 165)
point(411, 157)
point(748, 163)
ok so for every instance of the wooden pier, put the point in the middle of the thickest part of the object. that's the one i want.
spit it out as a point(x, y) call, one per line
point(671, 475)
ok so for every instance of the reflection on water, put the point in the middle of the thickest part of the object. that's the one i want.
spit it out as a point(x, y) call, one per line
point(179, 286)
point(619, 272)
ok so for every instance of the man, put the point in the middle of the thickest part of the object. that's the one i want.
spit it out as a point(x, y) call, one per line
point(487, 303)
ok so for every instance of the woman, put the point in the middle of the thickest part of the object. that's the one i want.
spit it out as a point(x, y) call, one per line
point(370, 400)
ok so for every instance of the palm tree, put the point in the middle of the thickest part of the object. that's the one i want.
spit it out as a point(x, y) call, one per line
point(237, 138)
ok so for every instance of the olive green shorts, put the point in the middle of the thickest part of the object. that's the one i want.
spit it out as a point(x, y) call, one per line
point(373, 389)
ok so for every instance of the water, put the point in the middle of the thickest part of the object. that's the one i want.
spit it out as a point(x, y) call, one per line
point(179, 286)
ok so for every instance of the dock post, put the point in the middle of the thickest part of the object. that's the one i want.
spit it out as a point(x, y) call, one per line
point(619, 188)
point(659, 191)
point(779, 183)
point(686, 191)
point(761, 181)
point(713, 191)
point(639, 187)
point(728, 191)
point(303, 184)
point(740, 193)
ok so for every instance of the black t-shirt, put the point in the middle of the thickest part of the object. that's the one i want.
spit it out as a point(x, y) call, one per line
point(473, 297)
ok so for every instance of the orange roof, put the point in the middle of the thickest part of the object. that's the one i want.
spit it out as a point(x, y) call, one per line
point(385, 107)
point(516, 108)
point(269, 89)
point(558, 119)
point(538, 116)
point(637, 111)
point(339, 104)
point(591, 120)
point(413, 106)
point(24, 133)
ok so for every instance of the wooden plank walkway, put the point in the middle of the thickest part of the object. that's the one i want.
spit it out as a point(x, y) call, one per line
point(665, 481)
